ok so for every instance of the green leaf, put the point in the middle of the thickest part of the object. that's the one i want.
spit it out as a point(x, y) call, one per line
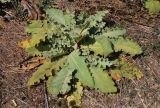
point(102, 80)
point(101, 62)
point(4, 1)
point(127, 46)
point(153, 6)
point(69, 20)
point(60, 62)
point(78, 62)
point(34, 26)
point(59, 84)
point(115, 33)
point(33, 51)
point(42, 71)
point(56, 15)
point(38, 32)
point(66, 19)
point(101, 46)
point(94, 19)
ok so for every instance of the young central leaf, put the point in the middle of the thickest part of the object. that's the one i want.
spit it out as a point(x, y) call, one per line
point(78, 62)
point(103, 81)
point(58, 84)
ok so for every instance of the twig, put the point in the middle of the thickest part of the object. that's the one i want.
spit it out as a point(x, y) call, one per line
point(23, 102)
point(46, 96)
point(20, 100)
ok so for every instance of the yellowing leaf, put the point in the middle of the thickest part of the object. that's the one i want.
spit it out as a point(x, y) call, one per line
point(32, 63)
point(116, 75)
point(138, 74)
point(74, 100)
point(24, 44)
point(44, 70)
point(127, 46)
point(127, 70)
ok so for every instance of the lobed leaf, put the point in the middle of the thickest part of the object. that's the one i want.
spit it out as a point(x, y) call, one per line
point(127, 46)
point(115, 33)
point(60, 17)
point(59, 84)
point(56, 15)
point(125, 70)
point(102, 46)
point(45, 70)
point(76, 96)
point(78, 62)
point(34, 27)
point(102, 80)
point(33, 51)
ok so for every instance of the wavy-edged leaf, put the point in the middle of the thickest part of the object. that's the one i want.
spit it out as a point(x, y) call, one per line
point(45, 70)
point(114, 33)
point(102, 46)
point(60, 17)
point(56, 15)
point(94, 19)
point(128, 70)
point(125, 70)
point(78, 62)
point(34, 26)
point(128, 46)
point(59, 63)
point(74, 100)
point(39, 30)
point(102, 80)
point(33, 51)
point(59, 84)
